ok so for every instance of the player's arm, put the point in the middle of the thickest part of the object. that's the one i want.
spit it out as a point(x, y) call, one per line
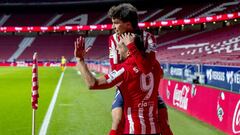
point(91, 81)
point(151, 52)
point(102, 82)
point(113, 54)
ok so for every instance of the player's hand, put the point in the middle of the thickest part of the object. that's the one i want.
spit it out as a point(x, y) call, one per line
point(127, 38)
point(79, 51)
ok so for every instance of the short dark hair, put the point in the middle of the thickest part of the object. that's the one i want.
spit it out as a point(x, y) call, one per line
point(125, 12)
point(139, 42)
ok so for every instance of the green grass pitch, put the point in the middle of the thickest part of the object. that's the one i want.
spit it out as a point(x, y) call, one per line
point(78, 111)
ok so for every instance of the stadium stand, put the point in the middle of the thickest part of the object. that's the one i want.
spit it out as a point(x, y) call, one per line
point(100, 42)
point(8, 46)
point(99, 51)
point(50, 48)
point(28, 20)
point(220, 46)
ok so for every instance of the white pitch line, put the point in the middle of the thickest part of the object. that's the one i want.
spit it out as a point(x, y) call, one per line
point(43, 130)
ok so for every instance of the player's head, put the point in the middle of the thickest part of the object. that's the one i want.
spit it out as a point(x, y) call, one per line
point(124, 18)
point(123, 51)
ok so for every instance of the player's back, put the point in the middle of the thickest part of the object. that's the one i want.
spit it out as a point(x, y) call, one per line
point(140, 99)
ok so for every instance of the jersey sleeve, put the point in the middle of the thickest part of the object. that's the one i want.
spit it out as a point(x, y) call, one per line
point(113, 78)
point(143, 62)
point(151, 46)
point(113, 54)
point(151, 43)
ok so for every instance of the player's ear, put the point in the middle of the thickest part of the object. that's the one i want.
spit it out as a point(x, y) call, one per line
point(129, 25)
point(128, 52)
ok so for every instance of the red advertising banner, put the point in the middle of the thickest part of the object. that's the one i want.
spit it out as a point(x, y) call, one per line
point(215, 18)
point(99, 68)
point(215, 107)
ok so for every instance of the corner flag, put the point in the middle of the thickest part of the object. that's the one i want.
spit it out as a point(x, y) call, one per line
point(34, 90)
point(35, 82)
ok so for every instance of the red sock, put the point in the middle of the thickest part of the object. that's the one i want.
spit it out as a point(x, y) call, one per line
point(112, 132)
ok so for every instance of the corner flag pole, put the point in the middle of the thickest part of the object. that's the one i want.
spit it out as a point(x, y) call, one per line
point(33, 122)
point(34, 90)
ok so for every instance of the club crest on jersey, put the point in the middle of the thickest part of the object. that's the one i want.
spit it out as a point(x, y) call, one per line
point(135, 69)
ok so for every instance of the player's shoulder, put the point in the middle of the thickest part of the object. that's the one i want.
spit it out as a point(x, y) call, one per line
point(131, 67)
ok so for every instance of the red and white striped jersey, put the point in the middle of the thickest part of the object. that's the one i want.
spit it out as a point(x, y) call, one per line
point(140, 93)
point(149, 43)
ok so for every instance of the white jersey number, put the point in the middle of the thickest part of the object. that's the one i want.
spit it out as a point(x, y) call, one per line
point(147, 84)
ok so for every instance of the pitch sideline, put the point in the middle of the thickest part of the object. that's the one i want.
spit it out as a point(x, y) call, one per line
point(44, 127)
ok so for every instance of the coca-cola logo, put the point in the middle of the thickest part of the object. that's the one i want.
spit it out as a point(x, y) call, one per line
point(236, 119)
point(180, 96)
